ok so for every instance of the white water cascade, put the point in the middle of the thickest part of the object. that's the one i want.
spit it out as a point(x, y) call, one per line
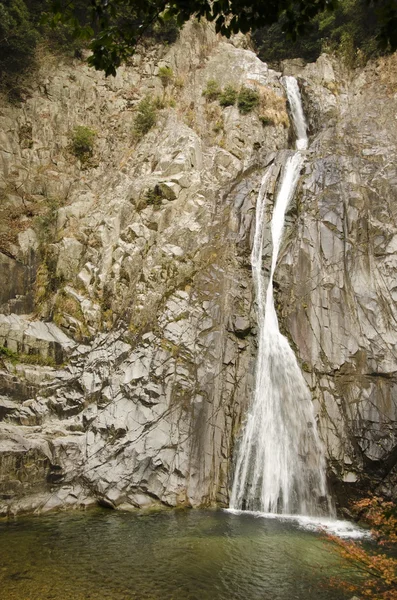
point(280, 465)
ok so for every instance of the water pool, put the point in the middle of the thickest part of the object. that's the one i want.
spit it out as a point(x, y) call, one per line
point(170, 555)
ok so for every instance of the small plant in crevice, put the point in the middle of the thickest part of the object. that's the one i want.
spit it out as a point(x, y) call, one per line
point(82, 142)
point(153, 197)
point(212, 90)
point(30, 359)
point(179, 83)
point(166, 76)
point(228, 96)
point(159, 103)
point(8, 354)
point(46, 222)
point(218, 126)
point(247, 100)
point(266, 121)
point(145, 118)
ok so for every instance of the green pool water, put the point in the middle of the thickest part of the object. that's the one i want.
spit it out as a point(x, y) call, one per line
point(173, 555)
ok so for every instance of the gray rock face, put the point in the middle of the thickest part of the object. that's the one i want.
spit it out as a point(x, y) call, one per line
point(131, 277)
point(144, 308)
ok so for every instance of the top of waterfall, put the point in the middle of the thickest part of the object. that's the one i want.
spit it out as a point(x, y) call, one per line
point(298, 117)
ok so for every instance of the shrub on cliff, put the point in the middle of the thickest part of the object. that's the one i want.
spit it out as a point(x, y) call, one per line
point(82, 144)
point(212, 90)
point(228, 96)
point(166, 75)
point(145, 118)
point(247, 100)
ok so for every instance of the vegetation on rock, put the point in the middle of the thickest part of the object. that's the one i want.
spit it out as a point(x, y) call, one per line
point(166, 76)
point(247, 100)
point(228, 96)
point(145, 118)
point(212, 90)
point(269, 106)
point(31, 359)
point(272, 108)
point(352, 30)
point(82, 144)
point(153, 197)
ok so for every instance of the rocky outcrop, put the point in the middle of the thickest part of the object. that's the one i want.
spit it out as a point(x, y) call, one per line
point(141, 281)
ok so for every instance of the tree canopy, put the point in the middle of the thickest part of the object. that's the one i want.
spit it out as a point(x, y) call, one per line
point(114, 27)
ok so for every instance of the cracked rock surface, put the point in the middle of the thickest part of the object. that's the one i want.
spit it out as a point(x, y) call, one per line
point(135, 315)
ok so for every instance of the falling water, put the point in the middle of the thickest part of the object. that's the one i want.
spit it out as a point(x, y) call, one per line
point(280, 465)
point(298, 118)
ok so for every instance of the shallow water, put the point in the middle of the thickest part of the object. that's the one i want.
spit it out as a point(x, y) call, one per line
point(175, 555)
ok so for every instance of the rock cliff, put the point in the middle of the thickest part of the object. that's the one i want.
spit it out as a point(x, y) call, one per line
point(127, 326)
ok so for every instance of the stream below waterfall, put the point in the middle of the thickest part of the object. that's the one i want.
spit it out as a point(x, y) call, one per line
point(169, 555)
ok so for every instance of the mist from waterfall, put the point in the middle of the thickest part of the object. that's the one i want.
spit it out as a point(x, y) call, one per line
point(280, 466)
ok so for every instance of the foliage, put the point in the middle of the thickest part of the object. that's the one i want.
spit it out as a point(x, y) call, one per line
point(166, 75)
point(163, 31)
point(381, 515)
point(82, 144)
point(378, 572)
point(228, 96)
point(112, 29)
point(247, 100)
point(115, 27)
point(18, 38)
point(218, 126)
point(212, 90)
point(352, 30)
point(145, 118)
point(21, 31)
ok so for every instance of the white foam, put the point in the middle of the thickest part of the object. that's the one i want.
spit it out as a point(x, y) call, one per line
point(340, 528)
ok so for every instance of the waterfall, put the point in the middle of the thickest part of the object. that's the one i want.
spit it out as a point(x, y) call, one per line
point(280, 466)
point(295, 105)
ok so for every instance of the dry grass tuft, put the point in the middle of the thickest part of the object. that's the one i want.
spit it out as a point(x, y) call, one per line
point(388, 72)
point(272, 108)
